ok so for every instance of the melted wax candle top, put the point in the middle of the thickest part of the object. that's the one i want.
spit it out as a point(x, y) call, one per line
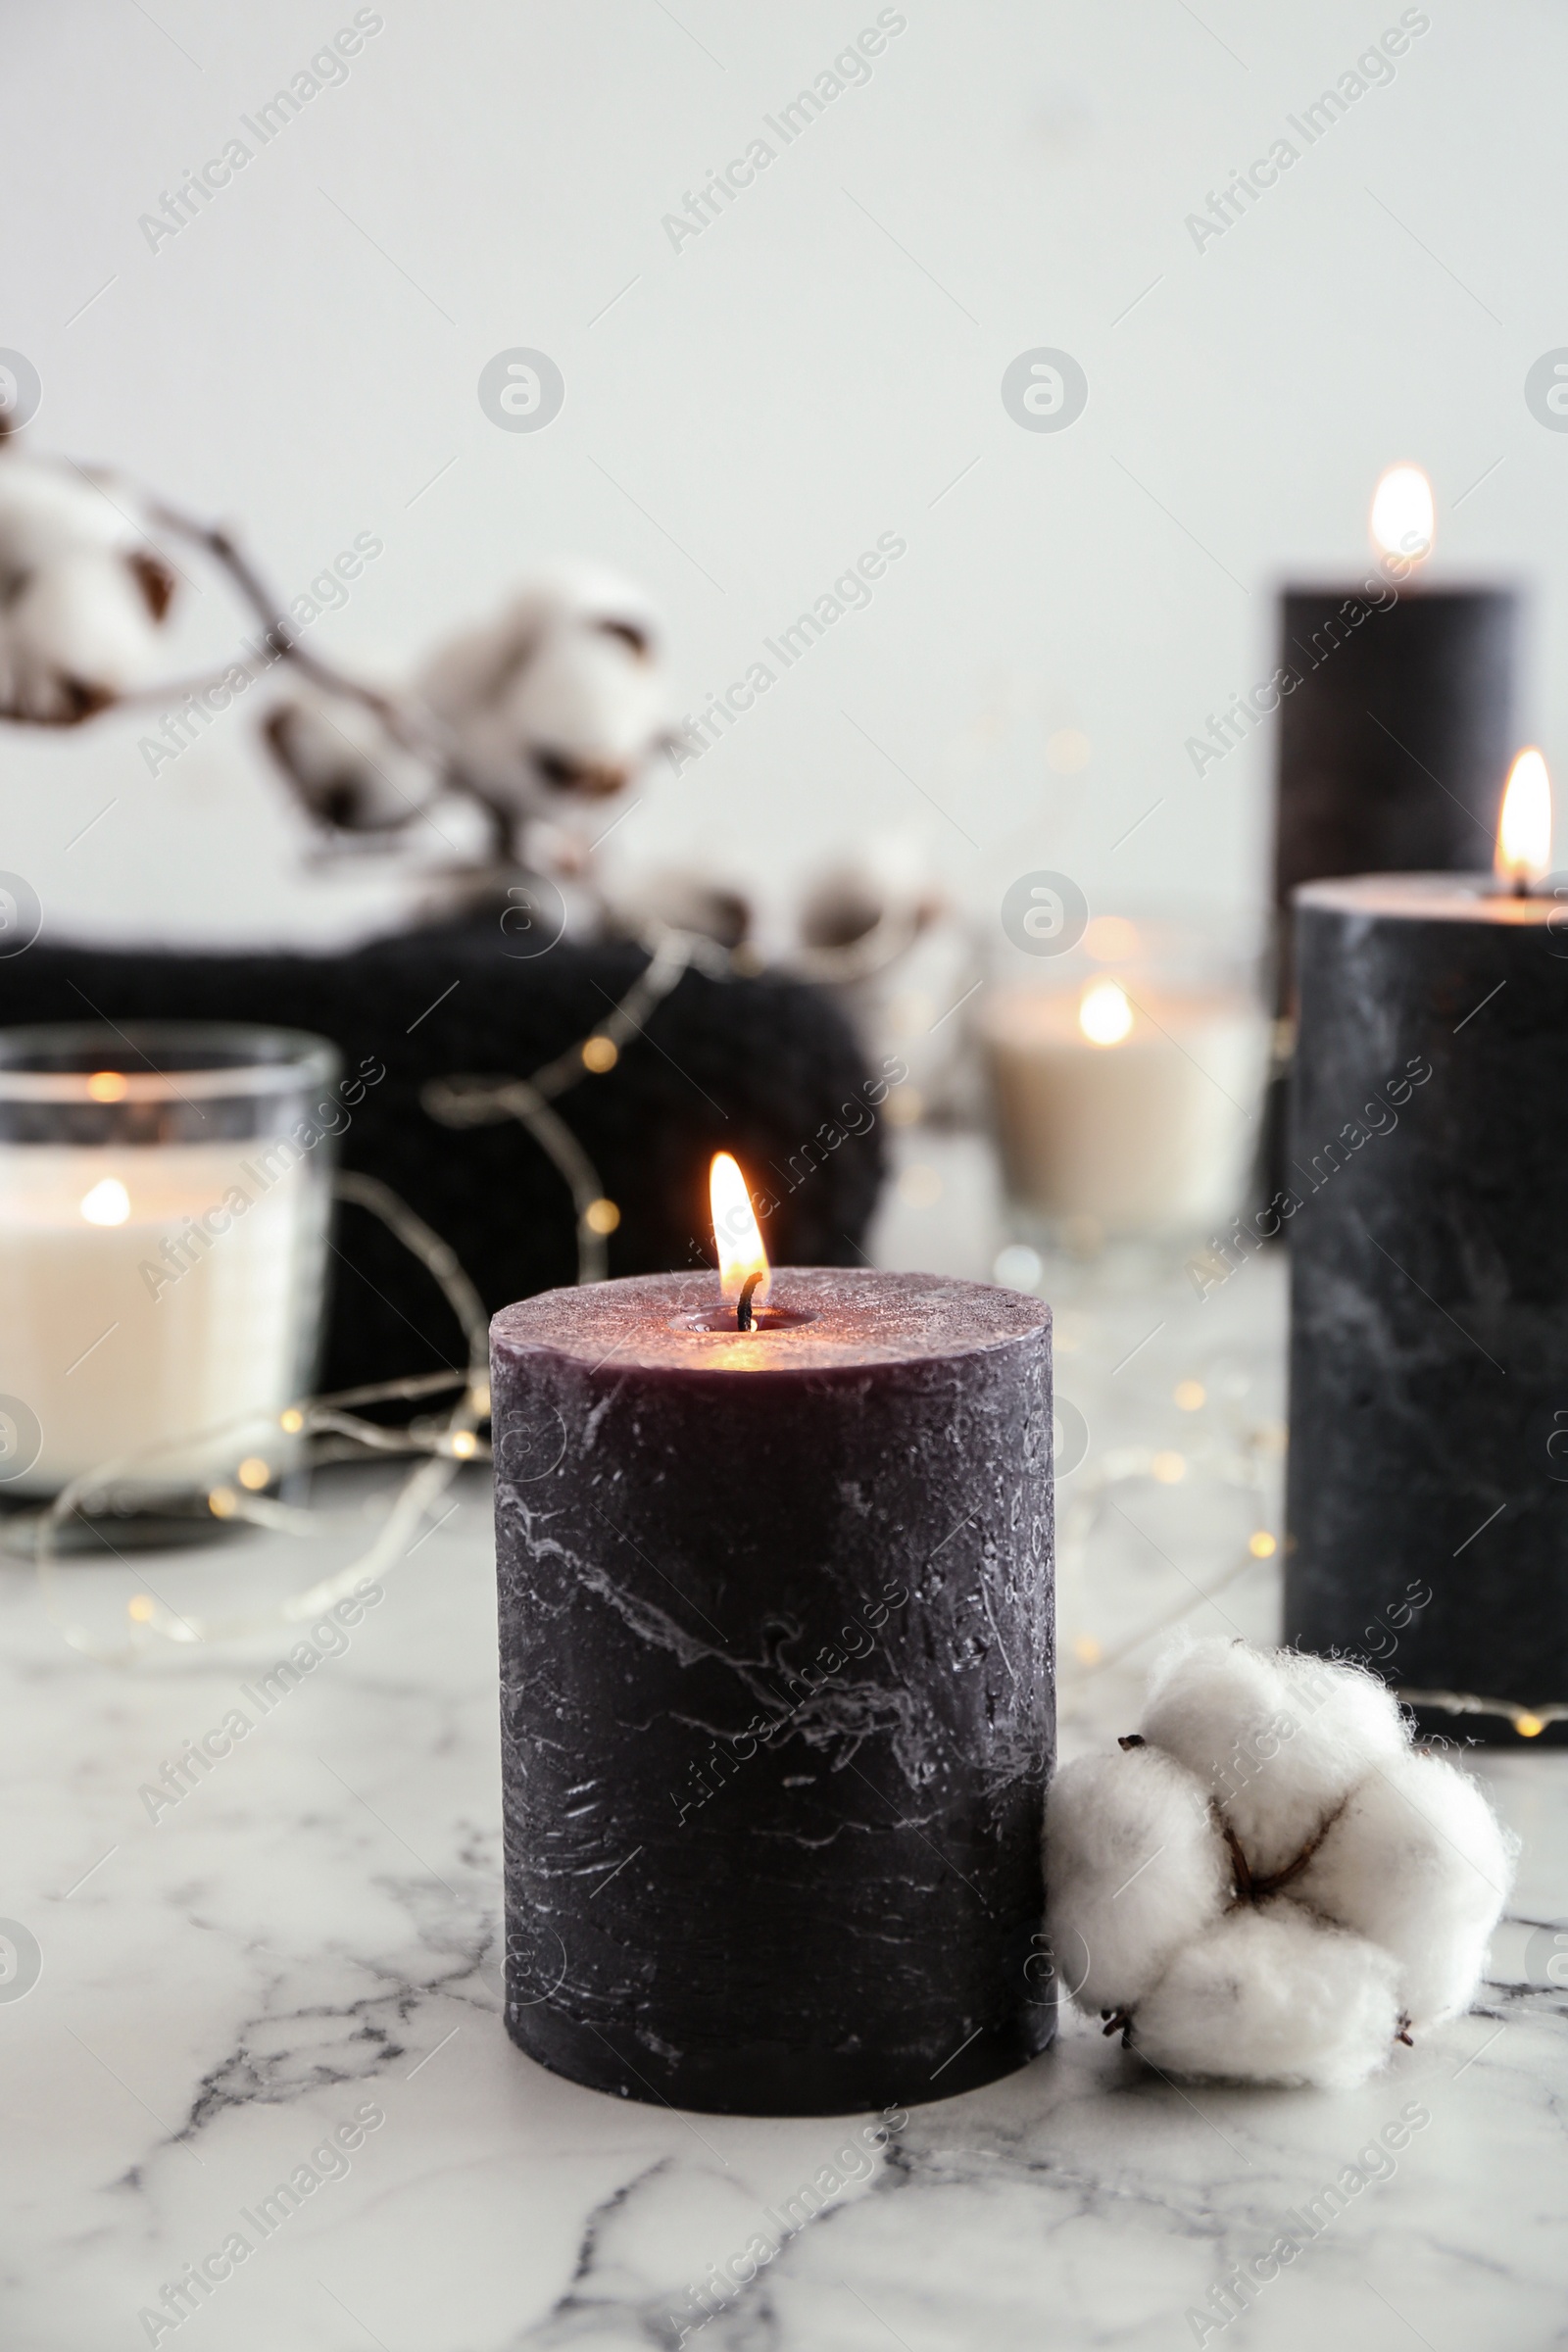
point(818, 1318)
point(1456, 898)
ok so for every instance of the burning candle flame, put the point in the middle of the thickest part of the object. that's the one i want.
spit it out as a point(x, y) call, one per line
point(736, 1237)
point(1524, 828)
point(1103, 1013)
point(108, 1203)
point(1403, 518)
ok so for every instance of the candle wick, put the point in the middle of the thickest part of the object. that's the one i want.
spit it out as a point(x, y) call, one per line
point(743, 1313)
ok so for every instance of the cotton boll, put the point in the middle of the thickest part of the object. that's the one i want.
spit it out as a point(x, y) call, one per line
point(840, 907)
point(1134, 1867)
point(1217, 1706)
point(81, 594)
point(1277, 1740)
point(346, 769)
point(1272, 1994)
point(49, 511)
point(1337, 1722)
point(588, 707)
point(79, 633)
point(1347, 1717)
point(559, 700)
point(1358, 1885)
point(1417, 1862)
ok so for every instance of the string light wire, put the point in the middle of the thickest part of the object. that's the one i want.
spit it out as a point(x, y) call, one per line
point(328, 1428)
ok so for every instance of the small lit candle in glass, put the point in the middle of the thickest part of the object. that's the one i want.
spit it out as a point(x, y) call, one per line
point(162, 1242)
point(1125, 1101)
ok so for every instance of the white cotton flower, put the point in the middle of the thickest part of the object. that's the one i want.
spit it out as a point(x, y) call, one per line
point(1277, 1739)
point(1307, 1886)
point(559, 700)
point(1136, 1863)
point(1273, 1994)
point(1417, 1862)
point(81, 594)
point(554, 706)
point(349, 772)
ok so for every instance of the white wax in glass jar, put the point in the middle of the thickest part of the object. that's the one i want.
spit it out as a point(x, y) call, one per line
point(1135, 1109)
point(118, 1344)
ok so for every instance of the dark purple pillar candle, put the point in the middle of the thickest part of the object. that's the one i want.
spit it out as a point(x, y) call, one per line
point(1428, 1489)
point(1396, 732)
point(777, 1696)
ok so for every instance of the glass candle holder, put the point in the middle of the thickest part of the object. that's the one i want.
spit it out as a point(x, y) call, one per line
point(165, 1198)
point(1126, 1080)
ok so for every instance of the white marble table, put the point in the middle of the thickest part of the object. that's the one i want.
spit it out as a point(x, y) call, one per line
point(311, 1932)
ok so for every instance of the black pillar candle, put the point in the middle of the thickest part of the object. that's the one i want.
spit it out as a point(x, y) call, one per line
point(1429, 1263)
point(777, 1694)
point(1396, 733)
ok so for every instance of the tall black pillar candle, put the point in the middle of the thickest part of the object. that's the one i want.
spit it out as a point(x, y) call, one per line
point(1429, 1266)
point(1395, 729)
point(777, 1693)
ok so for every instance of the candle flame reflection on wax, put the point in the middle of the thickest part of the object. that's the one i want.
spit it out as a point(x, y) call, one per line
point(1403, 518)
point(736, 1234)
point(1103, 1013)
point(1524, 827)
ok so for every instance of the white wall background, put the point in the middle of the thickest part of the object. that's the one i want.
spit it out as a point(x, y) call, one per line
point(818, 368)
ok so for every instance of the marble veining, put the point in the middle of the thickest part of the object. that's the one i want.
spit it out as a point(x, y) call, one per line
point(316, 1926)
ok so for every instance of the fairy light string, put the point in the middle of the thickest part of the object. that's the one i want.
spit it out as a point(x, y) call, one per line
point(329, 1430)
point(443, 1445)
point(465, 1100)
point(332, 1431)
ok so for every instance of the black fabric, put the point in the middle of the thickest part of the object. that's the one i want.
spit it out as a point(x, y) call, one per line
point(755, 1066)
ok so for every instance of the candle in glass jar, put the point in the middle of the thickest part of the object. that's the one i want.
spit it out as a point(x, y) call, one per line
point(159, 1292)
point(776, 1682)
point(1123, 1106)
